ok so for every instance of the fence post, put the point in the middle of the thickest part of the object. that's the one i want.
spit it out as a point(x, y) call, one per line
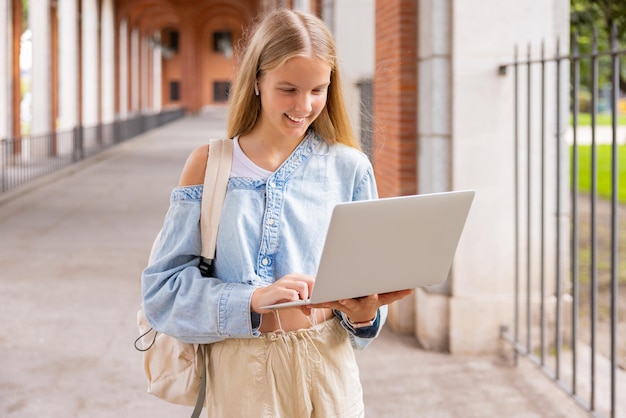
point(4, 149)
point(117, 127)
point(79, 149)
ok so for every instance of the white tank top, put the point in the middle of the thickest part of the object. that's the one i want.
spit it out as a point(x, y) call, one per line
point(243, 167)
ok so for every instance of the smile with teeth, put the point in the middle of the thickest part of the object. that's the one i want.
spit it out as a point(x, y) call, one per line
point(297, 120)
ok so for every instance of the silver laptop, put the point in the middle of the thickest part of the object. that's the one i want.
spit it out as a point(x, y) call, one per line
point(390, 244)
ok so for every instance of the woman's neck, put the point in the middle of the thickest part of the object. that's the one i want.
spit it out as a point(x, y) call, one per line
point(265, 150)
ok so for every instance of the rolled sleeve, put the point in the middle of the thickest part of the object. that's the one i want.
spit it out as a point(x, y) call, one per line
point(362, 337)
point(231, 322)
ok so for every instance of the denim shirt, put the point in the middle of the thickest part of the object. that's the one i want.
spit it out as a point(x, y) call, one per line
point(267, 229)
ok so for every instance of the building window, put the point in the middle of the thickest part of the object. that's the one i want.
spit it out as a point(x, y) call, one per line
point(169, 40)
point(221, 89)
point(174, 91)
point(174, 40)
point(223, 43)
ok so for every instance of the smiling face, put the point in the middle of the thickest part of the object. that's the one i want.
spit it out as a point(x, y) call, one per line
point(292, 97)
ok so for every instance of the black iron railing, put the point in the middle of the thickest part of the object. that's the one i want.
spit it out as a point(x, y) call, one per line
point(554, 326)
point(25, 158)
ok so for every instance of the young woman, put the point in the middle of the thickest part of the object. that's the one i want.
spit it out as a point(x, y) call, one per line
point(295, 158)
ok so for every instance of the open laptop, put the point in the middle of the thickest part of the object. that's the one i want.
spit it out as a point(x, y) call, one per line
point(390, 244)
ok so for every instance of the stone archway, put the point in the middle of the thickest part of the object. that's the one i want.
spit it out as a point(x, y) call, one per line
point(191, 69)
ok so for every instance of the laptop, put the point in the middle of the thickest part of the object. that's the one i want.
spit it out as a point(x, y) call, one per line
point(389, 244)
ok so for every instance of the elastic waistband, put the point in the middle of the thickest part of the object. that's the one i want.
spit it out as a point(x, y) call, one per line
point(331, 324)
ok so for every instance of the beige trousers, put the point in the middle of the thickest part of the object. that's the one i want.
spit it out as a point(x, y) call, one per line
point(306, 373)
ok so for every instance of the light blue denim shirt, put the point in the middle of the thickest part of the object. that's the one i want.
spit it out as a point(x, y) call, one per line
point(267, 229)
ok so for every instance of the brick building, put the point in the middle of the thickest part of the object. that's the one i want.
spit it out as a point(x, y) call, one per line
point(441, 113)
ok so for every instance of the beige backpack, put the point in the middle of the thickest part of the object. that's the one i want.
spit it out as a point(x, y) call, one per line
point(176, 371)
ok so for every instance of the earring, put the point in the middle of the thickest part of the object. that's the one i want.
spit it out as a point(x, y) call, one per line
point(256, 88)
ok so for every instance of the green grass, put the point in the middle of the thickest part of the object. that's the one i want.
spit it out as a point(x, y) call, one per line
point(604, 170)
point(602, 119)
point(603, 249)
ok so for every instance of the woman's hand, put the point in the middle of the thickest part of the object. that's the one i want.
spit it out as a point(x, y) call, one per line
point(364, 309)
point(288, 288)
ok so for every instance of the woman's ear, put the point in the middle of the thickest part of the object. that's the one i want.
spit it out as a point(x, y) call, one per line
point(256, 88)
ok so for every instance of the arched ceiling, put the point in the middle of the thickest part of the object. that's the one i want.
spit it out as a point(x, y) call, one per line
point(152, 15)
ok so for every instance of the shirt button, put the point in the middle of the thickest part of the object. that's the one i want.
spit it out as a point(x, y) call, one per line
point(265, 261)
point(270, 222)
point(272, 183)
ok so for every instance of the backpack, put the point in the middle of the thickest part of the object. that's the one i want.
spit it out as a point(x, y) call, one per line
point(176, 371)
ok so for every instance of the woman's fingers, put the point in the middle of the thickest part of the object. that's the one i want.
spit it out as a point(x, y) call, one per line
point(387, 298)
point(300, 283)
point(364, 309)
point(289, 288)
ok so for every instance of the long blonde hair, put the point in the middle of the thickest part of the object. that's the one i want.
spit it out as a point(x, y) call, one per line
point(281, 35)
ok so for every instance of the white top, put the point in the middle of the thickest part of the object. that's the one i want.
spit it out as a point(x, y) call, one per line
point(244, 167)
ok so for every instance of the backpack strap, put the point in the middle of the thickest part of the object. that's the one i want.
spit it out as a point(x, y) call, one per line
point(202, 392)
point(216, 177)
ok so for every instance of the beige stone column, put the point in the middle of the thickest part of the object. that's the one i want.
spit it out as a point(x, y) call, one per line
point(434, 150)
point(123, 69)
point(304, 5)
point(482, 158)
point(39, 22)
point(68, 64)
point(157, 73)
point(5, 79)
point(145, 74)
point(134, 70)
point(90, 62)
point(107, 39)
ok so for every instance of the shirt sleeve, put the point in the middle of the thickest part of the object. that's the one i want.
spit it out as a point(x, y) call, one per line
point(362, 337)
point(365, 186)
point(177, 299)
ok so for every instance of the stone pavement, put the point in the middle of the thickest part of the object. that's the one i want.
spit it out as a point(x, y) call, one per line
point(72, 247)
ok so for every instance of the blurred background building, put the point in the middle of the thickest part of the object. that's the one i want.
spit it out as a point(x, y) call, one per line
point(500, 96)
point(423, 88)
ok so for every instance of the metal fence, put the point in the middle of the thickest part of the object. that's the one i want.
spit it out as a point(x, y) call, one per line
point(567, 308)
point(25, 158)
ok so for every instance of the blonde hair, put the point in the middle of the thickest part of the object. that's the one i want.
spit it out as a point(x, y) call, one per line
point(281, 35)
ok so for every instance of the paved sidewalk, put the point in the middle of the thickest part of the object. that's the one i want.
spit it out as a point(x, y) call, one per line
point(72, 247)
point(604, 135)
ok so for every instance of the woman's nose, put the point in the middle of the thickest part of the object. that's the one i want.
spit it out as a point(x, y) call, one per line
point(304, 104)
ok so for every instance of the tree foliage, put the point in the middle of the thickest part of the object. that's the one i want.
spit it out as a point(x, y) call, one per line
point(25, 6)
point(585, 14)
point(599, 15)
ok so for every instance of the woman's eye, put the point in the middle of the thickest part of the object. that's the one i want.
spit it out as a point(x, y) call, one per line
point(287, 90)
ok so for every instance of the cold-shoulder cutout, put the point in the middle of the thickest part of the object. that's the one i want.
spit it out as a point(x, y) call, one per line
point(195, 167)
